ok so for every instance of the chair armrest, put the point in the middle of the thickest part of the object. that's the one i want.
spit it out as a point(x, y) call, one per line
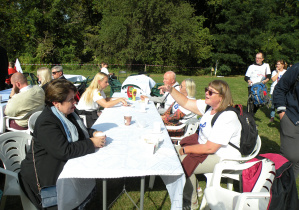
point(10, 173)
point(227, 165)
point(169, 127)
point(249, 195)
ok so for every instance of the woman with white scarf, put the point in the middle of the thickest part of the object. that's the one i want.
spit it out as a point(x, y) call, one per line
point(58, 136)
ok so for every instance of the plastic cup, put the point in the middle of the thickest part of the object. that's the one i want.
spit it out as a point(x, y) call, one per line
point(127, 119)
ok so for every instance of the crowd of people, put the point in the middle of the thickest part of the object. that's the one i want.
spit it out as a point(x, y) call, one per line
point(60, 134)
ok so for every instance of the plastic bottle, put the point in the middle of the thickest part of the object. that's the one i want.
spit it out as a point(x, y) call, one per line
point(134, 92)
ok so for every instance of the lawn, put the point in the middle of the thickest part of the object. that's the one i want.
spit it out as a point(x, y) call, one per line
point(158, 198)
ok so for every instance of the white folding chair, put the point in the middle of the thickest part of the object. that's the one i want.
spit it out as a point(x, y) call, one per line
point(219, 198)
point(13, 148)
point(228, 174)
point(32, 119)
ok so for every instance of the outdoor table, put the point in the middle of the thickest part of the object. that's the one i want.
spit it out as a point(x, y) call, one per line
point(74, 78)
point(125, 155)
point(5, 97)
point(144, 82)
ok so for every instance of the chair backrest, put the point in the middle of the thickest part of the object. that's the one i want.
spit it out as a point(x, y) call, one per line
point(13, 149)
point(192, 125)
point(32, 119)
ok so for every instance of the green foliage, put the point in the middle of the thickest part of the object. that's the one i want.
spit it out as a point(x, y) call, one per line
point(224, 70)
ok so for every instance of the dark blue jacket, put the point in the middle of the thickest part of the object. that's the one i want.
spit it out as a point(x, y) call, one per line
point(285, 97)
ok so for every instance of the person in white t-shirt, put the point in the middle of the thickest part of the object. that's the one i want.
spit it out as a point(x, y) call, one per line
point(175, 112)
point(94, 97)
point(212, 141)
point(276, 75)
point(257, 72)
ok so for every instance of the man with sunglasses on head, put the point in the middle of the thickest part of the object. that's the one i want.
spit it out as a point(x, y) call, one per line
point(57, 72)
point(257, 72)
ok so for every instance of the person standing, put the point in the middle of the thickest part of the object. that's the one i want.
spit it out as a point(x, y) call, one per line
point(3, 67)
point(257, 72)
point(285, 98)
point(276, 76)
point(11, 70)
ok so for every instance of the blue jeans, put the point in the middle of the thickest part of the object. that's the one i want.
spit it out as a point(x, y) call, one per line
point(272, 113)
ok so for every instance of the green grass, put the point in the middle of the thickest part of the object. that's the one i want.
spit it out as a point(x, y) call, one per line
point(158, 197)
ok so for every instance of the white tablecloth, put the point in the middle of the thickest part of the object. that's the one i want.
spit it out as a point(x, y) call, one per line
point(5, 96)
point(125, 154)
point(144, 82)
point(74, 78)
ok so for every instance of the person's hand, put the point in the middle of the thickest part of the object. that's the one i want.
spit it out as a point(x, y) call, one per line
point(98, 141)
point(281, 114)
point(142, 97)
point(249, 82)
point(123, 101)
point(165, 88)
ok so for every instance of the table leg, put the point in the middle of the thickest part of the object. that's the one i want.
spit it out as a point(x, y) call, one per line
point(104, 194)
point(142, 184)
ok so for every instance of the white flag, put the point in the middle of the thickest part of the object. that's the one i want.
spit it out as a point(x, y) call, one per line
point(18, 66)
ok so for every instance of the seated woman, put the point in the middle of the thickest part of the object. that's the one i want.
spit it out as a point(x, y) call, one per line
point(175, 112)
point(44, 76)
point(211, 143)
point(58, 136)
point(94, 97)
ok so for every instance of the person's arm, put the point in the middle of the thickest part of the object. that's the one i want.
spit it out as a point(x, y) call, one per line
point(247, 76)
point(282, 89)
point(274, 75)
point(181, 99)
point(110, 103)
point(268, 74)
point(207, 148)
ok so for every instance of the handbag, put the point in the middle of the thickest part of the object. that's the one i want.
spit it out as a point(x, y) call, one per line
point(48, 194)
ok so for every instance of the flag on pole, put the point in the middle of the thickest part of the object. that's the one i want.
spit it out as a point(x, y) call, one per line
point(18, 66)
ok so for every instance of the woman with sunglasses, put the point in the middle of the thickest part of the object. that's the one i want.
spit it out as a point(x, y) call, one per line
point(211, 143)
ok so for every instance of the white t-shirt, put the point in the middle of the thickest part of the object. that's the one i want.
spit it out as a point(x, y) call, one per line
point(257, 73)
point(176, 106)
point(169, 100)
point(278, 78)
point(97, 95)
point(104, 70)
point(227, 128)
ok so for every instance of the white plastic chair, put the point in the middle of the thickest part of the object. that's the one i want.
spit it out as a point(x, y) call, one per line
point(219, 198)
point(13, 148)
point(190, 126)
point(32, 119)
point(26, 116)
point(229, 175)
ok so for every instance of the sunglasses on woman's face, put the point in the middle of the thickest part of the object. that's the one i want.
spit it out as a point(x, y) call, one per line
point(210, 92)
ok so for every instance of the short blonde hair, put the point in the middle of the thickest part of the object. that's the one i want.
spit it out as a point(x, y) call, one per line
point(94, 85)
point(224, 91)
point(44, 74)
point(190, 87)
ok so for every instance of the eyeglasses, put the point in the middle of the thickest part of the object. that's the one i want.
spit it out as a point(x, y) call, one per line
point(54, 72)
point(209, 91)
point(258, 58)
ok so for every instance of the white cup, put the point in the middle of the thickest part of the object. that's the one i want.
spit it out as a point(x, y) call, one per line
point(157, 127)
point(146, 100)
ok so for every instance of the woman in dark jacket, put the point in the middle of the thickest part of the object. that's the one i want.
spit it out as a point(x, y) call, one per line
point(58, 136)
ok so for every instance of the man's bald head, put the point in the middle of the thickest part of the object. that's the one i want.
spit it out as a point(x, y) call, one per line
point(169, 78)
point(19, 77)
